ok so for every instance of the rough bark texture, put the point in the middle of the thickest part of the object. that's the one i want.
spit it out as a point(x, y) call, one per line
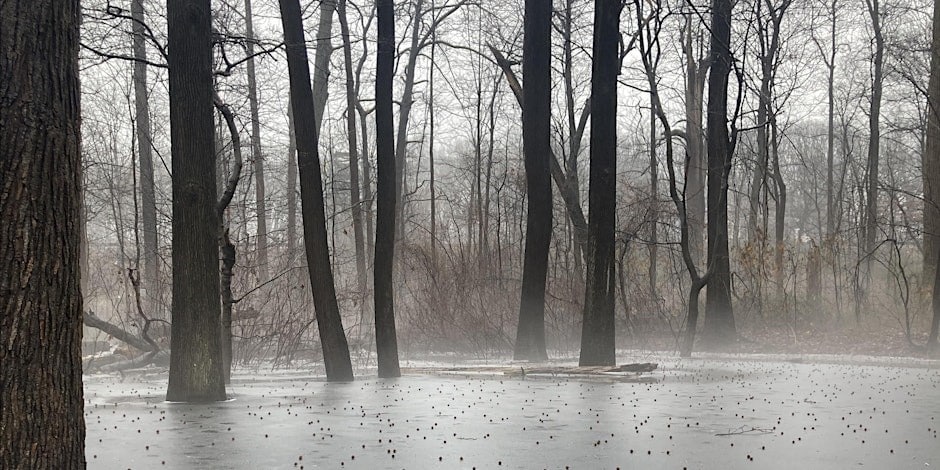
point(597, 331)
point(145, 155)
point(386, 343)
point(931, 159)
point(41, 422)
point(932, 176)
point(332, 336)
point(719, 319)
point(257, 157)
point(536, 141)
point(195, 355)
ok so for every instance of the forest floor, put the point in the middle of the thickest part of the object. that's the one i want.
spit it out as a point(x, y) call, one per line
point(715, 411)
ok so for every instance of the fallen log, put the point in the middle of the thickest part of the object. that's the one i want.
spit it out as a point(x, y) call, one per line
point(94, 321)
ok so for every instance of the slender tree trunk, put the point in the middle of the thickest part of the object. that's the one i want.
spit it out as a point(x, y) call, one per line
point(432, 182)
point(695, 147)
point(367, 194)
point(536, 141)
point(145, 155)
point(256, 155)
point(719, 326)
point(41, 421)
point(330, 324)
point(354, 180)
point(597, 331)
point(386, 342)
point(780, 213)
point(291, 189)
point(932, 178)
point(654, 204)
point(830, 131)
point(227, 251)
point(404, 114)
point(874, 139)
point(196, 355)
point(321, 60)
point(931, 159)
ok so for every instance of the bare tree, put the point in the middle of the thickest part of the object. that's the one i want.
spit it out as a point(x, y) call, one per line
point(332, 336)
point(256, 155)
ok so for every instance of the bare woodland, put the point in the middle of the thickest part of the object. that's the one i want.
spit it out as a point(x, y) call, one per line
point(819, 223)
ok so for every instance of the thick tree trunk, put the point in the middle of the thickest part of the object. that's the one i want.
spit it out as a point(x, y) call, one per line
point(719, 318)
point(330, 324)
point(145, 155)
point(597, 331)
point(41, 421)
point(536, 141)
point(354, 181)
point(195, 357)
point(256, 155)
point(386, 342)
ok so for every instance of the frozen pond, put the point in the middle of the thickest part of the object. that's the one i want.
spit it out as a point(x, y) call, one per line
point(696, 414)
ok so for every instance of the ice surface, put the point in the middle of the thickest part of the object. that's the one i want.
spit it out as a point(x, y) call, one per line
point(713, 413)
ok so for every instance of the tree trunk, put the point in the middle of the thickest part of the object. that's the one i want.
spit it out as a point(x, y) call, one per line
point(227, 251)
point(653, 204)
point(830, 130)
point(257, 157)
point(386, 343)
point(195, 357)
point(145, 155)
point(931, 159)
point(321, 60)
point(329, 322)
point(354, 181)
point(932, 177)
point(695, 146)
point(719, 318)
point(874, 139)
point(597, 331)
point(41, 421)
point(291, 189)
point(536, 141)
point(404, 113)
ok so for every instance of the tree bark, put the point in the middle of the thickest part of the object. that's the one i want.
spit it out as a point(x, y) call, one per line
point(332, 336)
point(41, 420)
point(404, 113)
point(536, 141)
point(145, 155)
point(291, 188)
point(695, 145)
point(597, 331)
point(256, 155)
point(386, 342)
point(195, 357)
point(321, 60)
point(719, 326)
